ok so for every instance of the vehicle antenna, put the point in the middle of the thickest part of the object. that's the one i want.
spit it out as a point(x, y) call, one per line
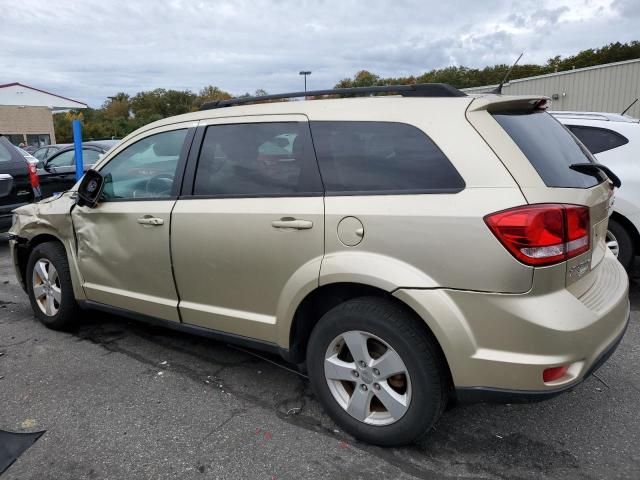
point(627, 109)
point(498, 89)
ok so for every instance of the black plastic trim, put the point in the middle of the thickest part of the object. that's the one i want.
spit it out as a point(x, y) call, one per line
point(189, 178)
point(416, 90)
point(252, 195)
point(430, 191)
point(192, 329)
point(182, 162)
point(500, 395)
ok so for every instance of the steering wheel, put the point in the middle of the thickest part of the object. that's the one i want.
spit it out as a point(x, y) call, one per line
point(159, 185)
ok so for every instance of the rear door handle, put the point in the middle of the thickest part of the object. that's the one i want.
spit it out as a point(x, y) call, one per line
point(150, 221)
point(292, 223)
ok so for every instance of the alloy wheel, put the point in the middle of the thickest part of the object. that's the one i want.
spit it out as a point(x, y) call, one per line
point(46, 287)
point(367, 378)
point(612, 243)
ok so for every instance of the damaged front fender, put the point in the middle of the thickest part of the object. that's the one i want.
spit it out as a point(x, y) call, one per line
point(47, 220)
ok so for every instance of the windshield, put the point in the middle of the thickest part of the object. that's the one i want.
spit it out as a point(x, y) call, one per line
point(550, 148)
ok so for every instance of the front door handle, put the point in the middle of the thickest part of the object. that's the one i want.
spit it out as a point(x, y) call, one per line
point(292, 223)
point(150, 221)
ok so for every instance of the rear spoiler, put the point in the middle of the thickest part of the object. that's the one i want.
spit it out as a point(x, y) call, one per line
point(501, 103)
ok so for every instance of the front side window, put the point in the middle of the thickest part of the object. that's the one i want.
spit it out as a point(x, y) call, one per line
point(381, 157)
point(145, 169)
point(598, 140)
point(257, 159)
point(65, 159)
point(89, 157)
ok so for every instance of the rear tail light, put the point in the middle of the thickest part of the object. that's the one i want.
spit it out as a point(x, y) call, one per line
point(34, 180)
point(542, 234)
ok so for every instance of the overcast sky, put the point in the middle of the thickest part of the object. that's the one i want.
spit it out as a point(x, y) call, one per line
point(89, 49)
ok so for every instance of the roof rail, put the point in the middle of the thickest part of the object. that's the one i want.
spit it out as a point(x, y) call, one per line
point(415, 90)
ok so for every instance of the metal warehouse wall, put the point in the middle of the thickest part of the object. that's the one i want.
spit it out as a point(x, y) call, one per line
point(604, 88)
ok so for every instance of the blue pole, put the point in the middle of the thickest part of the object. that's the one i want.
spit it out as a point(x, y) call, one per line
point(77, 143)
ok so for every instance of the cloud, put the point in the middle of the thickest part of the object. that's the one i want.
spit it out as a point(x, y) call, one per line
point(91, 49)
point(627, 8)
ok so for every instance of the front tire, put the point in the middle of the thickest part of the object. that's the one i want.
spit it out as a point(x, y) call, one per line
point(377, 371)
point(49, 287)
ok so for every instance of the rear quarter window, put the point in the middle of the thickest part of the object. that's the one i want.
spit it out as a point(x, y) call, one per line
point(597, 139)
point(5, 154)
point(550, 148)
point(381, 158)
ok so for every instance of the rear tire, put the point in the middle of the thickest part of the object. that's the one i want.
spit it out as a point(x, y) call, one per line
point(49, 287)
point(626, 249)
point(416, 398)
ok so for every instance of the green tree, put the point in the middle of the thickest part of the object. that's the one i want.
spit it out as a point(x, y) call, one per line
point(210, 94)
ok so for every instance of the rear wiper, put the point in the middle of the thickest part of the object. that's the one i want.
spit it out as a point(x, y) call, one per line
point(591, 168)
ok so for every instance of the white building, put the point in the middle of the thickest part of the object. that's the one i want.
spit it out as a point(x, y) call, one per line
point(26, 113)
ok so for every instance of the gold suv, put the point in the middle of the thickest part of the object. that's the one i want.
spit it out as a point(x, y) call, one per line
point(407, 249)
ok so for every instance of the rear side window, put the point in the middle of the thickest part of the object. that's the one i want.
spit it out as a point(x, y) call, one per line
point(598, 140)
point(381, 157)
point(257, 159)
point(5, 153)
point(550, 148)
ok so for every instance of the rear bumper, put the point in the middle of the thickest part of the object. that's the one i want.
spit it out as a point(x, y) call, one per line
point(498, 345)
point(497, 395)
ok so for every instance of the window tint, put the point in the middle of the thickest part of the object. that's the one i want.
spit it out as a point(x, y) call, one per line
point(41, 153)
point(378, 157)
point(256, 159)
point(65, 159)
point(145, 169)
point(550, 148)
point(89, 157)
point(596, 139)
point(5, 153)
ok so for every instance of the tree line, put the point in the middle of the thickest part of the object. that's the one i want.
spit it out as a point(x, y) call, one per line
point(121, 114)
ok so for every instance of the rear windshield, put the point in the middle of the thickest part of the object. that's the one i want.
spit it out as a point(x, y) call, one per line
point(550, 148)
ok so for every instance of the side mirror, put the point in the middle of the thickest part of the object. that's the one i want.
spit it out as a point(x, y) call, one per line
point(90, 189)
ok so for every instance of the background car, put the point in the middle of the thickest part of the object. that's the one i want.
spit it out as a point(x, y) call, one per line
point(614, 140)
point(58, 172)
point(18, 182)
point(47, 151)
point(30, 148)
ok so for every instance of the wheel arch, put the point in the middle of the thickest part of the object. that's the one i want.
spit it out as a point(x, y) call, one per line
point(629, 227)
point(23, 250)
point(322, 299)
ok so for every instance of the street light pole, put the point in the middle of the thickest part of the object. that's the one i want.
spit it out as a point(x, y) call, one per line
point(304, 73)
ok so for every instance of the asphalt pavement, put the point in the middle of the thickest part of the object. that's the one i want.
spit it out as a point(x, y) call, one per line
point(123, 400)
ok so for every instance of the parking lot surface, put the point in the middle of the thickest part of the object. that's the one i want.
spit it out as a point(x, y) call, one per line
point(120, 399)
